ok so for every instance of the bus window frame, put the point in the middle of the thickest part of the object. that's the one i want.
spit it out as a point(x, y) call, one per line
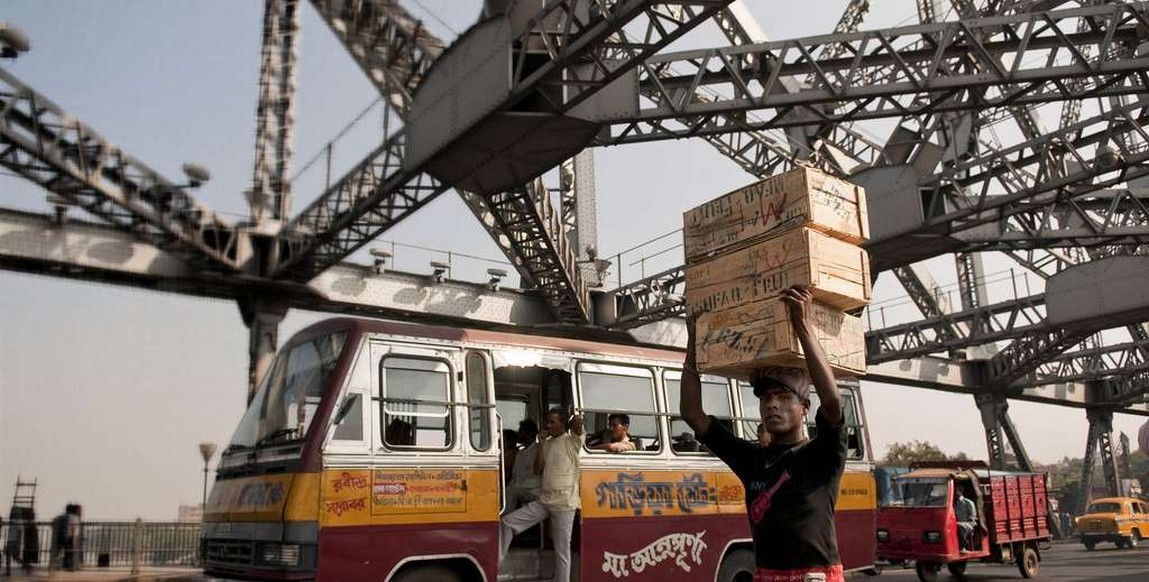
point(595, 366)
point(672, 415)
point(490, 407)
point(380, 402)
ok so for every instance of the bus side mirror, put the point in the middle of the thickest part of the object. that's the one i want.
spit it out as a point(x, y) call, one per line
point(348, 404)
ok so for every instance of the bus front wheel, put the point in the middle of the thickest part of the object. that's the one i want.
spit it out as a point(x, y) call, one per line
point(427, 574)
point(737, 567)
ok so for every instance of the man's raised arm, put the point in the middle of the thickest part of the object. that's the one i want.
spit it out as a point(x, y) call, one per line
point(798, 300)
point(690, 403)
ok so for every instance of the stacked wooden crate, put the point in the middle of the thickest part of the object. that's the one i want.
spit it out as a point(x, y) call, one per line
point(745, 248)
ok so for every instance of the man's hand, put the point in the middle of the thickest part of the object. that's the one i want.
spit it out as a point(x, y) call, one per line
point(797, 300)
point(575, 424)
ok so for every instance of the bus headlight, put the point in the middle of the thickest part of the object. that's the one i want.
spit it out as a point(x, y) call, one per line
point(883, 535)
point(273, 554)
point(932, 537)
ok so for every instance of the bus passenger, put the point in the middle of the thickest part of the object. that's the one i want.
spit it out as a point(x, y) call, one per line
point(616, 438)
point(792, 483)
point(524, 486)
point(400, 432)
point(558, 464)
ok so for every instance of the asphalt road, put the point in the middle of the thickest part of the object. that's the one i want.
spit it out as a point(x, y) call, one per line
point(1062, 562)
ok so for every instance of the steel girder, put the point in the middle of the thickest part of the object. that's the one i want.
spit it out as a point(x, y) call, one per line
point(1100, 436)
point(1018, 182)
point(650, 299)
point(275, 126)
point(1025, 354)
point(991, 409)
point(1095, 363)
point(391, 46)
point(40, 244)
point(995, 418)
point(369, 199)
point(587, 50)
point(45, 145)
point(396, 53)
point(1005, 320)
point(887, 74)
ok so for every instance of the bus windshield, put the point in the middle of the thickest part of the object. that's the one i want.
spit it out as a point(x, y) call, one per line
point(287, 398)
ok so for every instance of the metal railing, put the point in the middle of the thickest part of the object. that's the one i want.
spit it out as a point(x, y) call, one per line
point(119, 544)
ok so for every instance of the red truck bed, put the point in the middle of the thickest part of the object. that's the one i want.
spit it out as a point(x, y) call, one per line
point(1015, 507)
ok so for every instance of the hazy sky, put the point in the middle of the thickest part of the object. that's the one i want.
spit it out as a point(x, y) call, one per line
point(105, 392)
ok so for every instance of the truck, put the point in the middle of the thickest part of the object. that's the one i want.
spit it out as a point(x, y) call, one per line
point(920, 524)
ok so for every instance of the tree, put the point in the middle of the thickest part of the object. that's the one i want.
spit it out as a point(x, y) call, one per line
point(906, 454)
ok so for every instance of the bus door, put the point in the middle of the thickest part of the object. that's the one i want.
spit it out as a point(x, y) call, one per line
point(424, 470)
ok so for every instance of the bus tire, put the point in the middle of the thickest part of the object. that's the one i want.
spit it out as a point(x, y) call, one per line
point(738, 566)
point(1089, 545)
point(927, 571)
point(429, 573)
point(1028, 564)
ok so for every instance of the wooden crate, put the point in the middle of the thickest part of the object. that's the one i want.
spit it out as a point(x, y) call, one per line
point(735, 342)
point(801, 197)
point(837, 272)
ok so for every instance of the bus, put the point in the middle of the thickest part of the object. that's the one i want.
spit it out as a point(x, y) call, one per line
point(372, 451)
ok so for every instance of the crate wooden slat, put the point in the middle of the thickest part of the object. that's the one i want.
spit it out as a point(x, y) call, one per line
point(837, 272)
point(736, 342)
point(800, 197)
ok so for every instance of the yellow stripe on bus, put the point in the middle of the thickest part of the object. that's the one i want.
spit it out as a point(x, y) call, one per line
point(396, 496)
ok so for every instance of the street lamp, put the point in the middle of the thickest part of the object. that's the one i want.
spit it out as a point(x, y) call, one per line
point(207, 450)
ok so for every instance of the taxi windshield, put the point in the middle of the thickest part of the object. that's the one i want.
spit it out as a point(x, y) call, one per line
point(924, 492)
point(289, 395)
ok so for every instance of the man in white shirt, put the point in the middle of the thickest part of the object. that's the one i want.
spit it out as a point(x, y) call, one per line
point(524, 486)
point(558, 463)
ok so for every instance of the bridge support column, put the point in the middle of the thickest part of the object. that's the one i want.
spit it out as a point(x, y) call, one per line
point(262, 320)
point(1100, 436)
point(992, 408)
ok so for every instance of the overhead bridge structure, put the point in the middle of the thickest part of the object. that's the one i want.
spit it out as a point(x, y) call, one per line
point(1015, 128)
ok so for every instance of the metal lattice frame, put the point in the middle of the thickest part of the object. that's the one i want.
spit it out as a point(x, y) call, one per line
point(42, 143)
point(391, 46)
point(275, 127)
point(884, 78)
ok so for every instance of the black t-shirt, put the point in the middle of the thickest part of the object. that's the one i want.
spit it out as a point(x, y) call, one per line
point(791, 491)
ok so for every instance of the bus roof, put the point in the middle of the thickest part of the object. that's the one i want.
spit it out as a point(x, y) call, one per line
point(611, 343)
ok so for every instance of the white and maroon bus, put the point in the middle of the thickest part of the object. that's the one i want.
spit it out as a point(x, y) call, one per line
point(372, 452)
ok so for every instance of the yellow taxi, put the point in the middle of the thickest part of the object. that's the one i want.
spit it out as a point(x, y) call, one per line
point(1121, 520)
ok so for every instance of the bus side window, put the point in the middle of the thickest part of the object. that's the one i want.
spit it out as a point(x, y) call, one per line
point(855, 448)
point(415, 403)
point(715, 401)
point(609, 390)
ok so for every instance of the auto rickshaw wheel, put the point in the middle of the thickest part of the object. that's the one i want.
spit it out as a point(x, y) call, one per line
point(927, 571)
point(957, 569)
point(876, 570)
point(1028, 563)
